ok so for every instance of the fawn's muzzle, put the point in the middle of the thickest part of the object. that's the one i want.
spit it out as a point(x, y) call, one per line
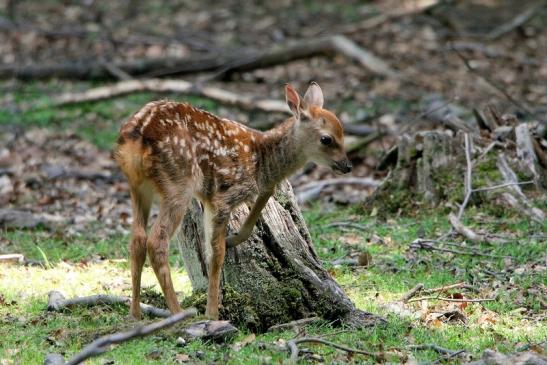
point(344, 166)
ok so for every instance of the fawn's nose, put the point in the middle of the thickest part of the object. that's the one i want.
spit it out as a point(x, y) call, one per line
point(344, 166)
point(347, 167)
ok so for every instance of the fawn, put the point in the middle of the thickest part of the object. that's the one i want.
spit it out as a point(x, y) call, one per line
point(179, 152)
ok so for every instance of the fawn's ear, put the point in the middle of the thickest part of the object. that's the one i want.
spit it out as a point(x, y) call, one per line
point(293, 100)
point(314, 96)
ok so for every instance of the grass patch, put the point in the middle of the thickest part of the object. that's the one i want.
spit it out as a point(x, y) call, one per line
point(98, 122)
point(28, 332)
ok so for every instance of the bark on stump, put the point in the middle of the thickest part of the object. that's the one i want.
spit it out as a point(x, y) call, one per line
point(272, 278)
point(428, 169)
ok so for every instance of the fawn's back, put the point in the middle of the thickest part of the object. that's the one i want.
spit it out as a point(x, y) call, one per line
point(175, 143)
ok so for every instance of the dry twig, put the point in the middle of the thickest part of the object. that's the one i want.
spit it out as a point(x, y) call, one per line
point(175, 86)
point(412, 292)
point(427, 245)
point(102, 344)
point(463, 230)
point(229, 62)
point(430, 346)
point(452, 286)
point(293, 346)
point(478, 300)
point(495, 85)
point(517, 21)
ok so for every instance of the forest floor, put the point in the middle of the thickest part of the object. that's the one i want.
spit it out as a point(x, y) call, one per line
point(81, 249)
point(55, 163)
point(84, 265)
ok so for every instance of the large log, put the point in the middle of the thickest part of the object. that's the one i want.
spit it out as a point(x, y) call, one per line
point(275, 276)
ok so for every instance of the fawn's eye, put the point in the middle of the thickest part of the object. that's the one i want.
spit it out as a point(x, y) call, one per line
point(326, 140)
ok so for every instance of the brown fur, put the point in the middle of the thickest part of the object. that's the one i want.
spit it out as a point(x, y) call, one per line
point(178, 152)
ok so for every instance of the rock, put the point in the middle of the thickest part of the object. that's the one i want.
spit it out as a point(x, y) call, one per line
point(13, 218)
point(218, 331)
point(54, 359)
point(491, 357)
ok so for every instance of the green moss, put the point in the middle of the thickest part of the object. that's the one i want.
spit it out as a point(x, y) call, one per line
point(396, 197)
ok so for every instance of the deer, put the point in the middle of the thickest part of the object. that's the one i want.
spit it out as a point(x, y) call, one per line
point(177, 152)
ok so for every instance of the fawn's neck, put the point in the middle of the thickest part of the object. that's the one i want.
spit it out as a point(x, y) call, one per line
point(279, 154)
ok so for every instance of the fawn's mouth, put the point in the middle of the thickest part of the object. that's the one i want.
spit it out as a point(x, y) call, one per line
point(342, 167)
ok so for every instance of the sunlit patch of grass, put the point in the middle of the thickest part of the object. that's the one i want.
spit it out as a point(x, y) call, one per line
point(394, 270)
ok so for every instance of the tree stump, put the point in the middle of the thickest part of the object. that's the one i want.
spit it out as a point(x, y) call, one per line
point(428, 170)
point(272, 278)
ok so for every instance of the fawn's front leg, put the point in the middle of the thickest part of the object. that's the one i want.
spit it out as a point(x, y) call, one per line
point(218, 245)
point(250, 222)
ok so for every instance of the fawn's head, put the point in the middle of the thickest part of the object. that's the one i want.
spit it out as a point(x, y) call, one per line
point(318, 130)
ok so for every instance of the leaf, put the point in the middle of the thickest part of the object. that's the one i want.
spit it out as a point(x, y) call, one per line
point(461, 305)
point(487, 319)
point(154, 355)
point(351, 239)
point(180, 358)
point(365, 259)
point(241, 344)
point(436, 323)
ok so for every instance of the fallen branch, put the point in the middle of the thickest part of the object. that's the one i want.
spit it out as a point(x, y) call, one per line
point(354, 225)
point(102, 344)
point(57, 302)
point(517, 21)
point(12, 258)
point(495, 85)
point(228, 62)
point(293, 347)
point(293, 324)
point(452, 286)
point(430, 346)
point(448, 356)
point(501, 186)
point(412, 292)
point(463, 230)
point(185, 87)
point(19, 219)
point(427, 244)
point(478, 300)
point(173, 86)
point(345, 261)
point(312, 189)
point(400, 11)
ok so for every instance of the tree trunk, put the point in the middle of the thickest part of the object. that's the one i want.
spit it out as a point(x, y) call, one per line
point(272, 278)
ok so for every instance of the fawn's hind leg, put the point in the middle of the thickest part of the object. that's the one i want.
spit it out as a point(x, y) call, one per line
point(141, 200)
point(172, 210)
